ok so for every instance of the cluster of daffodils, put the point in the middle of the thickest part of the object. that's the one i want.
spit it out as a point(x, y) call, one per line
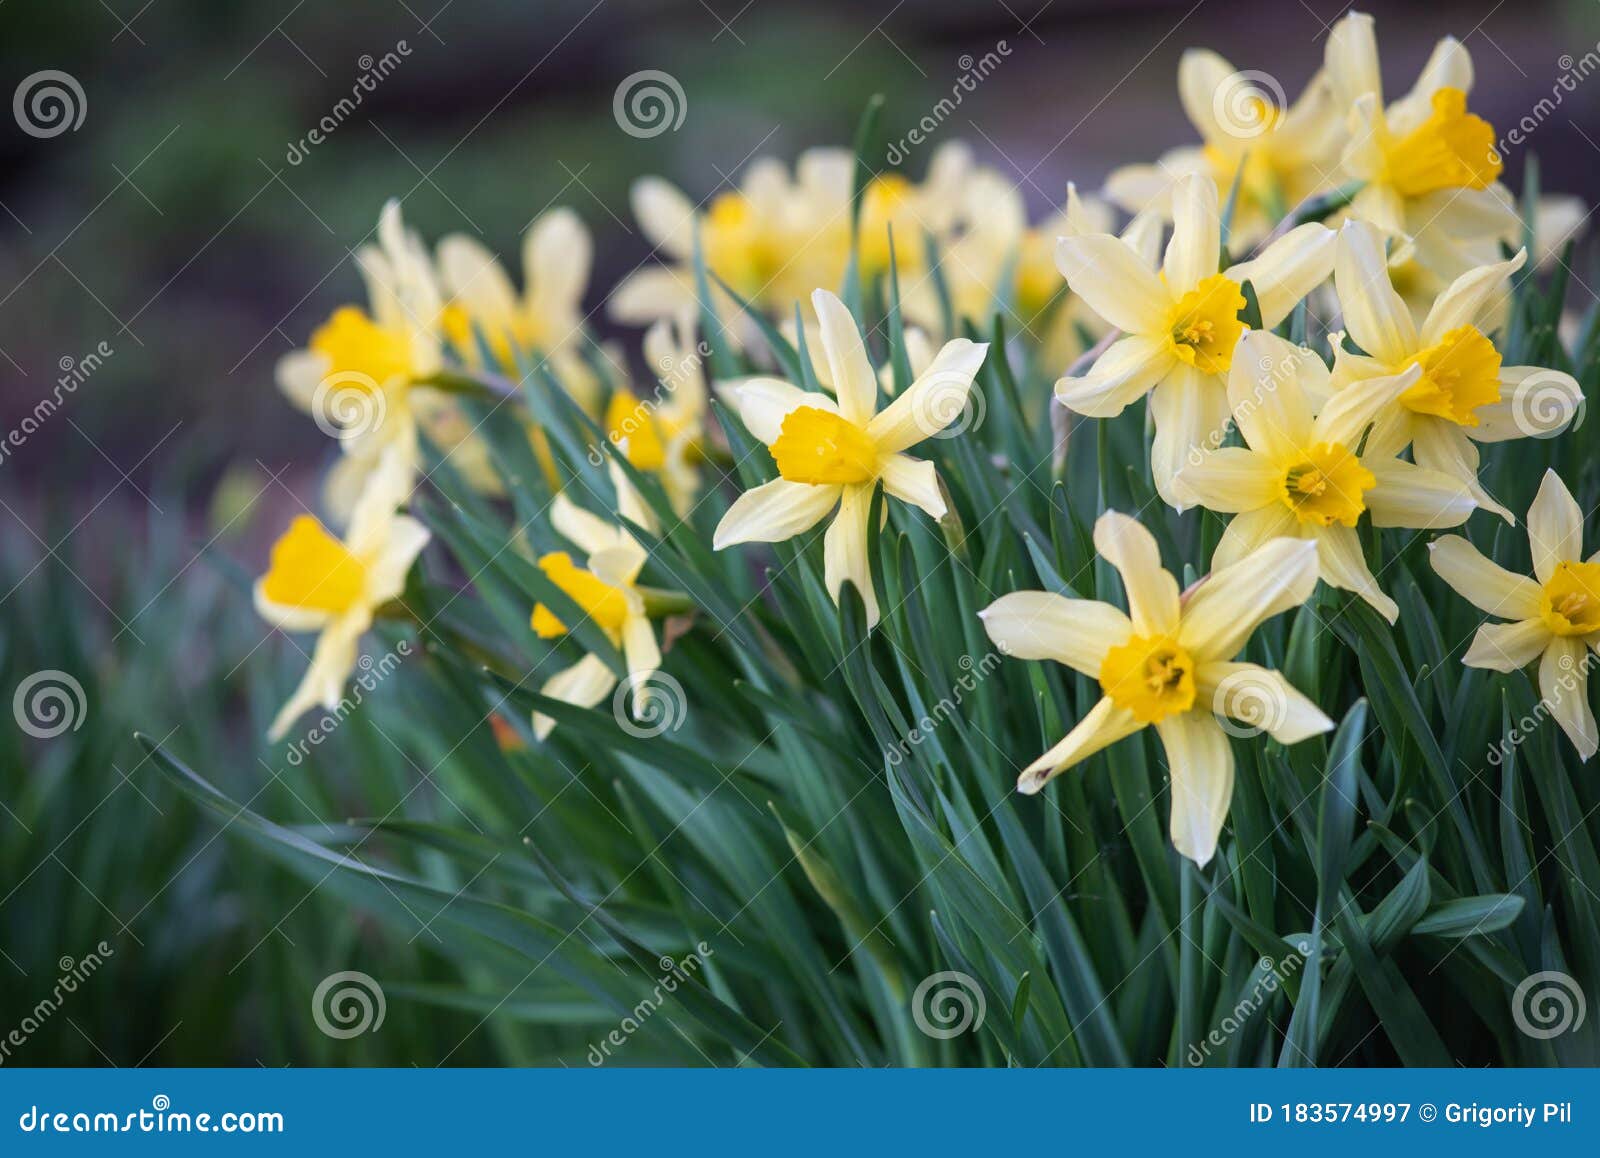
point(1376, 231)
point(376, 379)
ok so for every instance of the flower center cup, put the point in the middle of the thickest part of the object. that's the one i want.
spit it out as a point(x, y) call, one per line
point(1572, 599)
point(1328, 486)
point(1452, 149)
point(1205, 326)
point(313, 570)
point(1459, 374)
point(604, 604)
point(1150, 676)
point(819, 447)
point(355, 344)
point(630, 420)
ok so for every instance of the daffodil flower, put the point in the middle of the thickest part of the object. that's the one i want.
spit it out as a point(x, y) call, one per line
point(763, 239)
point(1554, 617)
point(663, 433)
point(319, 582)
point(547, 317)
point(355, 378)
point(832, 453)
point(778, 235)
point(1429, 167)
point(605, 588)
point(1464, 394)
point(1285, 154)
point(1169, 661)
point(1308, 477)
point(1181, 323)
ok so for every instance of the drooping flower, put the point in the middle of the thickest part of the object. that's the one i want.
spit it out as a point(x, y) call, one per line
point(546, 318)
point(833, 452)
point(357, 375)
point(1465, 394)
point(1169, 662)
point(1181, 323)
point(1430, 168)
point(605, 587)
point(663, 433)
point(1309, 476)
point(1553, 618)
point(1285, 154)
point(319, 582)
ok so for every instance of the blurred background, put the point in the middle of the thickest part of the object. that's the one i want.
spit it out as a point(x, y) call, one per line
point(162, 254)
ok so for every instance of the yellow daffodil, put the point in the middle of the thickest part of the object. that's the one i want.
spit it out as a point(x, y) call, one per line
point(1429, 168)
point(546, 319)
point(355, 378)
point(1168, 661)
point(1464, 394)
point(833, 452)
point(770, 239)
point(1286, 154)
point(319, 582)
point(1554, 617)
point(663, 433)
point(778, 235)
point(998, 263)
point(1181, 322)
point(604, 587)
point(1307, 477)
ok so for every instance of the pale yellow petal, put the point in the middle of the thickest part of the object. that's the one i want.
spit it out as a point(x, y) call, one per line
point(1222, 610)
point(1471, 298)
point(1344, 566)
point(1152, 591)
point(1288, 270)
point(1103, 725)
point(1190, 410)
point(557, 254)
point(914, 481)
point(475, 278)
point(765, 402)
point(665, 216)
point(1564, 688)
point(1267, 393)
point(1374, 313)
point(773, 512)
point(1200, 763)
point(855, 384)
point(1363, 403)
point(1043, 625)
point(1555, 527)
point(1261, 699)
point(1123, 374)
point(1196, 242)
point(1351, 60)
point(1113, 282)
point(1534, 403)
point(937, 399)
point(583, 528)
point(1483, 582)
point(584, 684)
point(1508, 647)
point(1232, 479)
point(1441, 445)
point(844, 549)
point(1251, 530)
point(1407, 495)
